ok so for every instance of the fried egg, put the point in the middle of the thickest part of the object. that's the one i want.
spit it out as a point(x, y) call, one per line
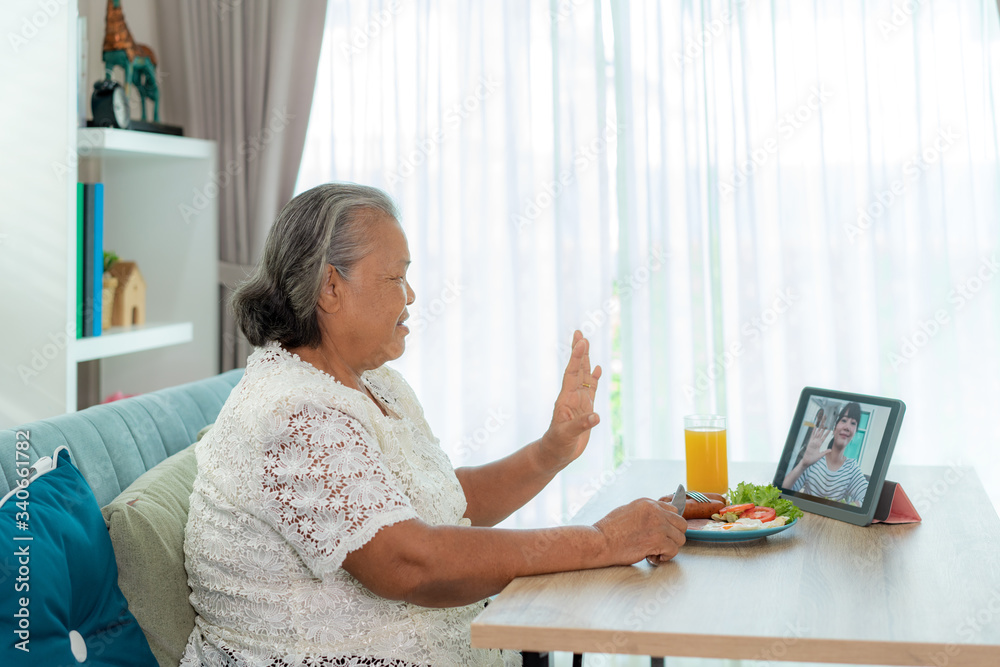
point(746, 524)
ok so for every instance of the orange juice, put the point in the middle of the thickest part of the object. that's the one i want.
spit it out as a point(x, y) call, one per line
point(707, 465)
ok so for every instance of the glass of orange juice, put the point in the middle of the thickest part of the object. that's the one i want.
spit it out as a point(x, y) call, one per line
point(705, 449)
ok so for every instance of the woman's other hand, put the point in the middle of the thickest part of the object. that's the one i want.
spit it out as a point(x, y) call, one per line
point(573, 415)
point(644, 528)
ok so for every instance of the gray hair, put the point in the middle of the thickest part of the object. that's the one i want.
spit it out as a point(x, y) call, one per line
point(328, 224)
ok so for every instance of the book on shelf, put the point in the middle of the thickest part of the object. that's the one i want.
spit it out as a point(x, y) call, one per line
point(90, 258)
point(87, 277)
point(98, 250)
point(79, 258)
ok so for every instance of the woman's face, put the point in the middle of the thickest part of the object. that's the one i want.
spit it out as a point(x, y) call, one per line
point(376, 299)
point(844, 431)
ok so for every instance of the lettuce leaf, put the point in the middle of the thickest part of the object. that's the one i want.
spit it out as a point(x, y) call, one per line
point(764, 495)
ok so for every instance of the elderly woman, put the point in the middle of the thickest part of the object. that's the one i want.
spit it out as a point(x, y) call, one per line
point(327, 526)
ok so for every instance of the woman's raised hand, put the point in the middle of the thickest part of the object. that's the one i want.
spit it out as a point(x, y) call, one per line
point(573, 415)
point(814, 448)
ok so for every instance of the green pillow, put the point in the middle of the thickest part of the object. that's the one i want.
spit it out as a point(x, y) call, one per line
point(147, 523)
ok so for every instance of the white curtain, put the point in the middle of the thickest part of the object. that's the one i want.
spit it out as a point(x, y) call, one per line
point(487, 123)
point(733, 199)
point(825, 179)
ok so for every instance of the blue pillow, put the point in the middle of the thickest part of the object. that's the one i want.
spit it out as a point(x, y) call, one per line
point(58, 577)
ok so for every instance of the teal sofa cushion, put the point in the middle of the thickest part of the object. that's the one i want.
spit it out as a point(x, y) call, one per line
point(114, 444)
point(64, 601)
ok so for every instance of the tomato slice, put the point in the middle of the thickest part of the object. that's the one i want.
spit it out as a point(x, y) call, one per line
point(737, 509)
point(765, 514)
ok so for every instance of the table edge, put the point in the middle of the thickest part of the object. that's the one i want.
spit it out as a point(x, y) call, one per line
point(864, 652)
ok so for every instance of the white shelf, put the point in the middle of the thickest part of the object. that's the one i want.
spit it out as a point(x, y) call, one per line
point(108, 142)
point(159, 211)
point(125, 340)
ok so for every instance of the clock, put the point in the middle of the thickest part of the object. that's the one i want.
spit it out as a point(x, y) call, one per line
point(110, 105)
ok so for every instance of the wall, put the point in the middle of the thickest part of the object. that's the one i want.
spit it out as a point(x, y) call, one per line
point(876, 430)
point(37, 177)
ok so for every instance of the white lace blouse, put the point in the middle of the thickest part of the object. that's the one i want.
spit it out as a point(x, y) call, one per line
point(297, 472)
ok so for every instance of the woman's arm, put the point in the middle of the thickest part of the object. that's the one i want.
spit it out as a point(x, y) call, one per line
point(446, 566)
point(793, 475)
point(495, 490)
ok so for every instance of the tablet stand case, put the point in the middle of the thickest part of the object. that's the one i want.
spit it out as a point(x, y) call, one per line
point(894, 506)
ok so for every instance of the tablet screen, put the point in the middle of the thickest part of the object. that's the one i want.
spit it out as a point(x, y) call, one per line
point(842, 434)
point(838, 448)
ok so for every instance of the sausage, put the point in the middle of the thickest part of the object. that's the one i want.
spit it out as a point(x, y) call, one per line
point(695, 510)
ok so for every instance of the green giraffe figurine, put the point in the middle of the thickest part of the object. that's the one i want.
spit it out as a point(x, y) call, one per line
point(138, 60)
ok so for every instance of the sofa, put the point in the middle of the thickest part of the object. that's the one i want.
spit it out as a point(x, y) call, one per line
point(135, 456)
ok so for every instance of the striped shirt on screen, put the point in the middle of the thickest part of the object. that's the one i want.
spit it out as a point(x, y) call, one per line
point(847, 484)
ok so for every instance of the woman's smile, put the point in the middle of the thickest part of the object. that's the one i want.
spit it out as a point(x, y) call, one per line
point(846, 429)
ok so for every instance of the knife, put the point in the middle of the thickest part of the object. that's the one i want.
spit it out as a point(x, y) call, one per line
point(680, 499)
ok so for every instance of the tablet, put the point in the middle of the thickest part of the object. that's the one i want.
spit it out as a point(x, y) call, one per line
point(837, 453)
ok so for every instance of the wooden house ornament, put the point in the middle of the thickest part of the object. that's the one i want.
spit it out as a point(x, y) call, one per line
point(108, 288)
point(130, 295)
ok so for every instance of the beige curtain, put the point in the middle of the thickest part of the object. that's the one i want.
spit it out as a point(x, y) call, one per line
point(242, 74)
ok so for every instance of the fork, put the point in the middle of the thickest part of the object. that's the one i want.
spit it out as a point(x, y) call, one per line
point(700, 497)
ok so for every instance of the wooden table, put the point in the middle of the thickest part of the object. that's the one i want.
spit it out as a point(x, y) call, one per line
point(821, 591)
